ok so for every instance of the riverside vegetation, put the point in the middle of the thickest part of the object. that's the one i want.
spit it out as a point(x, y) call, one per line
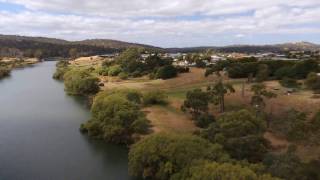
point(229, 144)
point(7, 64)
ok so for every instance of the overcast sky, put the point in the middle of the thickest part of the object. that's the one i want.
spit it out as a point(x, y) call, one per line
point(166, 23)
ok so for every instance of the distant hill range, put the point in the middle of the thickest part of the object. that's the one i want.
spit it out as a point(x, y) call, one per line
point(51, 47)
point(298, 46)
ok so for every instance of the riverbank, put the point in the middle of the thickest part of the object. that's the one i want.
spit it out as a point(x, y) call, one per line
point(7, 64)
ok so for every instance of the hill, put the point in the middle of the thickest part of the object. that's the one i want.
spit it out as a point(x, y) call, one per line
point(108, 43)
point(304, 46)
point(13, 46)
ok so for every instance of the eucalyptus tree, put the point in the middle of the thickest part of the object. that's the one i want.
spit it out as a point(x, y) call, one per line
point(218, 91)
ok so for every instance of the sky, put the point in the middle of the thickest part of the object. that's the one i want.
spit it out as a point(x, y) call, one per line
point(165, 23)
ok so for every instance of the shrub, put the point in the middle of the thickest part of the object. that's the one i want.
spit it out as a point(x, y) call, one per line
point(155, 97)
point(166, 72)
point(115, 118)
point(123, 75)
point(62, 64)
point(161, 156)
point(289, 82)
point(114, 70)
point(313, 82)
point(4, 72)
point(61, 69)
point(204, 120)
point(80, 82)
point(59, 74)
point(102, 71)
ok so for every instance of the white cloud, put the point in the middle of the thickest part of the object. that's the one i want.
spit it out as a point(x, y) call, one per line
point(158, 22)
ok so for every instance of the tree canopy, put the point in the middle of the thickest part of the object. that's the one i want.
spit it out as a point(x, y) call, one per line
point(80, 82)
point(116, 117)
point(161, 156)
point(240, 133)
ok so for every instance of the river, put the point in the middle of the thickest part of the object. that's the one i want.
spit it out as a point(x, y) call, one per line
point(39, 132)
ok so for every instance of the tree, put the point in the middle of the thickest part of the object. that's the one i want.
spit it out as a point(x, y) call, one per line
point(240, 133)
point(286, 166)
point(73, 53)
point(294, 125)
point(218, 92)
point(115, 118)
point(313, 82)
point(38, 54)
point(289, 82)
point(196, 102)
point(221, 171)
point(80, 82)
point(161, 156)
point(130, 60)
point(166, 72)
point(259, 94)
point(263, 73)
point(154, 97)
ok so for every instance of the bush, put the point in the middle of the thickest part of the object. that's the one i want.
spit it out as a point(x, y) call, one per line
point(4, 72)
point(62, 68)
point(80, 82)
point(123, 75)
point(289, 82)
point(62, 64)
point(161, 156)
point(154, 97)
point(204, 120)
point(114, 70)
point(166, 72)
point(313, 82)
point(59, 74)
point(115, 118)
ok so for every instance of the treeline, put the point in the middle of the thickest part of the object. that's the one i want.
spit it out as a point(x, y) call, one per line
point(26, 48)
point(130, 63)
point(276, 69)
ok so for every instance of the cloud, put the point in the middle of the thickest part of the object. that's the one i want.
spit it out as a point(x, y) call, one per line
point(165, 22)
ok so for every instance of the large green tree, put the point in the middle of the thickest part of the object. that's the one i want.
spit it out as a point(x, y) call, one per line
point(116, 116)
point(240, 133)
point(161, 156)
point(197, 102)
point(80, 82)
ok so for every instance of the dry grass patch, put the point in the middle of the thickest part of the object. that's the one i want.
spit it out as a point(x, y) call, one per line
point(166, 120)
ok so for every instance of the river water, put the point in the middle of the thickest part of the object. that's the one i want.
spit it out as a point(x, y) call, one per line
point(39, 132)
